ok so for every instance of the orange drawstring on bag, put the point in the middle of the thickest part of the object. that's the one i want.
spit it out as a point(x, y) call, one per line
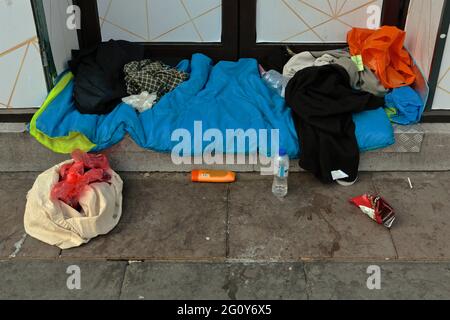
point(383, 52)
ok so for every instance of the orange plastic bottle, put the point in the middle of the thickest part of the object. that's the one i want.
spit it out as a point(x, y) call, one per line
point(213, 176)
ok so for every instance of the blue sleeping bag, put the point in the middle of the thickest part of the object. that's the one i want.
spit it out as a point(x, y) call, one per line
point(227, 96)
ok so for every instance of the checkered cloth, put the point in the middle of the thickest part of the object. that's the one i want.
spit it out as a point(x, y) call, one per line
point(153, 77)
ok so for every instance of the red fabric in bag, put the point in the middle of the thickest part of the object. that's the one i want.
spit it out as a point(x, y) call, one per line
point(74, 177)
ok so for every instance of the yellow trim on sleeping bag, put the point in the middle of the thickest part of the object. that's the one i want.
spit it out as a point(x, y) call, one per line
point(66, 144)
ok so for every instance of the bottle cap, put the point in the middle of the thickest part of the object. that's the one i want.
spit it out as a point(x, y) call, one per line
point(282, 152)
point(195, 175)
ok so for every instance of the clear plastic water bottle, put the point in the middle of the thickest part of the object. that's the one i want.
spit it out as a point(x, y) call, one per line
point(280, 181)
point(276, 81)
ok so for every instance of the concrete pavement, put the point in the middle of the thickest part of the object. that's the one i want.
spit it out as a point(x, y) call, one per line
point(239, 242)
point(106, 280)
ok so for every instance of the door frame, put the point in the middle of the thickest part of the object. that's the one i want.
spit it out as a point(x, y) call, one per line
point(44, 43)
point(431, 115)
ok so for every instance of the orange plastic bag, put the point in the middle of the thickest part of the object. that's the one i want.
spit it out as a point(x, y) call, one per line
point(383, 52)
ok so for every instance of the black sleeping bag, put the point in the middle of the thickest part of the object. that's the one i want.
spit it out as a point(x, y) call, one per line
point(99, 82)
point(323, 103)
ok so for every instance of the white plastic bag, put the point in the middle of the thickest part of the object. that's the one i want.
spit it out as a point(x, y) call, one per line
point(141, 102)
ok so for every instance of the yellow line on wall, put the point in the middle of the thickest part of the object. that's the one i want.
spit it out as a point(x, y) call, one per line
point(18, 75)
point(18, 46)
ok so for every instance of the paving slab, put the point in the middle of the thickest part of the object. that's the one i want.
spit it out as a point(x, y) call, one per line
point(14, 243)
point(47, 280)
point(186, 281)
point(161, 281)
point(168, 217)
point(267, 281)
point(165, 216)
point(314, 221)
point(406, 281)
point(422, 228)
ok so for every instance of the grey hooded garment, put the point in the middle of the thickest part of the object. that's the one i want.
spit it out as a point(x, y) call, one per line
point(365, 80)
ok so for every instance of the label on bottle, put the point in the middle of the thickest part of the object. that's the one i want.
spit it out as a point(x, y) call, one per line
point(283, 172)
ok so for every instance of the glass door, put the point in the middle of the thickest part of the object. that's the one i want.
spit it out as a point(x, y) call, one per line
point(167, 28)
point(267, 26)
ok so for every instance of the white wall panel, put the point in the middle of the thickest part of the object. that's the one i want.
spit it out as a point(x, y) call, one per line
point(421, 31)
point(22, 81)
point(442, 97)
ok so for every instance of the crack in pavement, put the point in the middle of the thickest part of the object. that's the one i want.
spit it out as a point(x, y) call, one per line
point(308, 290)
point(231, 284)
point(122, 283)
point(227, 224)
point(336, 241)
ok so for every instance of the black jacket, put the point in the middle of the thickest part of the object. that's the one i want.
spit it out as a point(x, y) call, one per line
point(99, 82)
point(323, 103)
